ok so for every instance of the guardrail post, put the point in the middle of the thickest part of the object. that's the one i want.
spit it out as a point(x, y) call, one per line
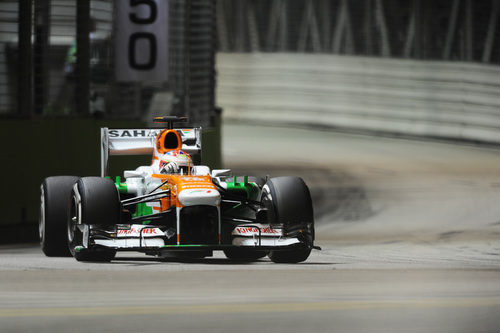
point(24, 65)
point(40, 59)
point(82, 93)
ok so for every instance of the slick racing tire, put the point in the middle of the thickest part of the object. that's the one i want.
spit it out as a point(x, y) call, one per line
point(54, 199)
point(244, 254)
point(289, 204)
point(94, 201)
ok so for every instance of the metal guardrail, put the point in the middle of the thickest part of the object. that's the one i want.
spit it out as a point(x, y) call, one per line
point(452, 100)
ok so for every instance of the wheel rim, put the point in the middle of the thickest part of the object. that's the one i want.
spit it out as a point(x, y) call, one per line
point(72, 221)
point(267, 201)
point(41, 220)
point(73, 225)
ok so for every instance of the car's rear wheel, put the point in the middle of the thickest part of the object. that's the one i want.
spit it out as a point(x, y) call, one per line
point(244, 254)
point(94, 202)
point(290, 206)
point(54, 198)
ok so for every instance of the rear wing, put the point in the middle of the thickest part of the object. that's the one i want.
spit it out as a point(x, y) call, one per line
point(141, 142)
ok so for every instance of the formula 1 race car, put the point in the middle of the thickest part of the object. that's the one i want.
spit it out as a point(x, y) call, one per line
point(173, 207)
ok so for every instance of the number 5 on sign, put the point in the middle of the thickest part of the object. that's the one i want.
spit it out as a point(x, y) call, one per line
point(141, 40)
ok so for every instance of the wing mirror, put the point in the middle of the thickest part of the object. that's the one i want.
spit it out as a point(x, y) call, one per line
point(220, 172)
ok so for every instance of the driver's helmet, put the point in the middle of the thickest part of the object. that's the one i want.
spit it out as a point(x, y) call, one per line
point(175, 161)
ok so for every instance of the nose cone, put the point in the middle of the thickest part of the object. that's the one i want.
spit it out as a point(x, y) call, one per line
point(192, 197)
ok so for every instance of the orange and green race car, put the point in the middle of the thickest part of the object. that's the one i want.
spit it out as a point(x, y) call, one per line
point(174, 207)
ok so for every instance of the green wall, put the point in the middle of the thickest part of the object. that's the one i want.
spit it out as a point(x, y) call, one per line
point(35, 149)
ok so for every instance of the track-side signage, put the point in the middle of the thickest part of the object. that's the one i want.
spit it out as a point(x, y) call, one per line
point(254, 231)
point(144, 133)
point(141, 41)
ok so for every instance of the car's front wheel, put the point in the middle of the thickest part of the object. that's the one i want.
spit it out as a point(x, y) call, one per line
point(94, 202)
point(54, 197)
point(290, 206)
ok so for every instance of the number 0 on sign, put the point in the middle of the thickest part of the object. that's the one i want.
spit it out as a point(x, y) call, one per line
point(141, 40)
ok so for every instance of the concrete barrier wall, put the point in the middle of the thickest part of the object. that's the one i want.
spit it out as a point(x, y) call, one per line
point(425, 98)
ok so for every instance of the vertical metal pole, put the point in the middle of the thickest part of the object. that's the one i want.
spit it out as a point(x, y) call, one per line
point(253, 28)
point(469, 31)
point(316, 42)
point(213, 79)
point(274, 18)
point(451, 30)
point(339, 27)
point(368, 27)
point(326, 24)
point(176, 49)
point(410, 33)
point(384, 34)
point(490, 37)
point(24, 85)
point(418, 39)
point(186, 105)
point(222, 32)
point(309, 22)
point(283, 35)
point(40, 59)
point(349, 35)
point(302, 38)
point(241, 30)
point(82, 93)
point(343, 31)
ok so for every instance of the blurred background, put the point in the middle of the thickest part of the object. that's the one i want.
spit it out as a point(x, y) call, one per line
point(408, 68)
point(388, 109)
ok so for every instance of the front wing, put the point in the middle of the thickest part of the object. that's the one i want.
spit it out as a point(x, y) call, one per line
point(153, 240)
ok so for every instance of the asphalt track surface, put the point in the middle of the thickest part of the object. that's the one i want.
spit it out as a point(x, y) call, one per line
point(410, 232)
